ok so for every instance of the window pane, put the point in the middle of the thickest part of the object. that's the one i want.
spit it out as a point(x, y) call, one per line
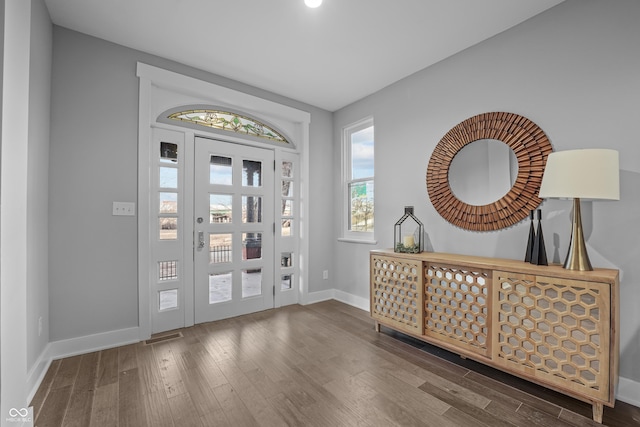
point(251, 173)
point(228, 122)
point(168, 299)
point(251, 282)
point(168, 228)
point(362, 153)
point(287, 209)
point(168, 152)
point(287, 227)
point(287, 169)
point(287, 189)
point(286, 259)
point(220, 246)
point(167, 270)
point(221, 170)
point(168, 202)
point(285, 281)
point(220, 287)
point(251, 246)
point(168, 177)
point(361, 206)
point(220, 208)
point(251, 209)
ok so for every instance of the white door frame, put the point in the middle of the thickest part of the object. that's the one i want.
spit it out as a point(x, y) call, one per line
point(160, 90)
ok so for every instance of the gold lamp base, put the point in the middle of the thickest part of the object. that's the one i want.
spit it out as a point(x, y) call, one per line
point(577, 257)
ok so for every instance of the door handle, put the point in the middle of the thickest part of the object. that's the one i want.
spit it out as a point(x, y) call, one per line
point(200, 240)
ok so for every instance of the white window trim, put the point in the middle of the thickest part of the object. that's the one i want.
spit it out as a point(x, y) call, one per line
point(348, 235)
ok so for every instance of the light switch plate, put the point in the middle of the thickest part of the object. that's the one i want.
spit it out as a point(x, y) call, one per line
point(124, 208)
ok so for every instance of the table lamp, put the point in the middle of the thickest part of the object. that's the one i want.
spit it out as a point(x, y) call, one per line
point(581, 174)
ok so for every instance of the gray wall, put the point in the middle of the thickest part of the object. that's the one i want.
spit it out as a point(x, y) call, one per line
point(93, 162)
point(573, 70)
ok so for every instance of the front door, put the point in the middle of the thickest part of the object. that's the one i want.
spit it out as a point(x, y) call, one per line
point(233, 229)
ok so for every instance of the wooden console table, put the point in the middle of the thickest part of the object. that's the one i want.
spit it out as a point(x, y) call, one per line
point(555, 327)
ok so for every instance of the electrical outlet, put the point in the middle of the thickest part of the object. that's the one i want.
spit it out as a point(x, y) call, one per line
point(40, 326)
point(325, 274)
point(124, 208)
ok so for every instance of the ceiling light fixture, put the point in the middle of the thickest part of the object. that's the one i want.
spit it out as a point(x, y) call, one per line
point(313, 3)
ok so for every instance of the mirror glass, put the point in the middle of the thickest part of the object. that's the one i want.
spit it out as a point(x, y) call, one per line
point(483, 172)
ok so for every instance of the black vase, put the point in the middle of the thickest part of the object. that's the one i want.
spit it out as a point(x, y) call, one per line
point(531, 241)
point(539, 253)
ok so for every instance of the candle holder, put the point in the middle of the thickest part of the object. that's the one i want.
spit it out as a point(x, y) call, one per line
point(408, 233)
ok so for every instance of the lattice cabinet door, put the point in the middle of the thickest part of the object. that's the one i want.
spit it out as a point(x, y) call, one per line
point(555, 330)
point(457, 306)
point(396, 293)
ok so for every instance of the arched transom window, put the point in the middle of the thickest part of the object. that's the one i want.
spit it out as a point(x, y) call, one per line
point(230, 122)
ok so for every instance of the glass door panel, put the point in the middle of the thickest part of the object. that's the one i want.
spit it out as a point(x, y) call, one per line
point(220, 170)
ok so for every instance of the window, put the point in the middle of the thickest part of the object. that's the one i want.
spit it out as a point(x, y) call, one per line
point(229, 122)
point(358, 180)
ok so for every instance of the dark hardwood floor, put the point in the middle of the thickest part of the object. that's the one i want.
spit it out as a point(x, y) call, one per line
point(317, 365)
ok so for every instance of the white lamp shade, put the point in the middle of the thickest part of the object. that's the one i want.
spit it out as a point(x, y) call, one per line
point(584, 174)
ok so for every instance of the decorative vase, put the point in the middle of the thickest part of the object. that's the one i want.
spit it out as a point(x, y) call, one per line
point(531, 240)
point(539, 254)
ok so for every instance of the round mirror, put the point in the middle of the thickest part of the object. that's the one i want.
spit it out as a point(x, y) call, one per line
point(483, 172)
point(530, 146)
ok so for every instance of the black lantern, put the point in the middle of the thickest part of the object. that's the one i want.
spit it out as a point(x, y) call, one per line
point(408, 232)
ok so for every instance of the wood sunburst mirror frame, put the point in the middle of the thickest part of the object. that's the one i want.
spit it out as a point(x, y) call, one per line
point(531, 147)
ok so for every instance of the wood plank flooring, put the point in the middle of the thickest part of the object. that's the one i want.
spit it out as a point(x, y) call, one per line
point(317, 365)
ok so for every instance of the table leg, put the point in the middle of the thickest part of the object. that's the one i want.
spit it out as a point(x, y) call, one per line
point(598, 410)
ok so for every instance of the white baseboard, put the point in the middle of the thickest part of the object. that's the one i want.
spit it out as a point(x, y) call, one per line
point(628, 391)
point(37, 372)
point(338, 295)
point(95, 342)
point(353, 300)
point(74, 346)
point(319, 296)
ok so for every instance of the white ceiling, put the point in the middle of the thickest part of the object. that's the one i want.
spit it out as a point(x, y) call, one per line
point(328, 57)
